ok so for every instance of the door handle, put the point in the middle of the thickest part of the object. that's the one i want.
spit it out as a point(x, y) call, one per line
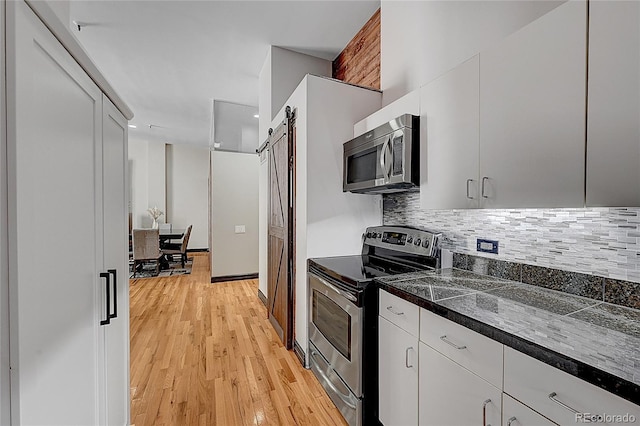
point(468, 182)
point(484, 412)
point(484, 179)
point(114, 273)
point(406, 357)
point(107, 320)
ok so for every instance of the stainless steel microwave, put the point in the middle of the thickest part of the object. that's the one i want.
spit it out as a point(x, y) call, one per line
point(385, 159)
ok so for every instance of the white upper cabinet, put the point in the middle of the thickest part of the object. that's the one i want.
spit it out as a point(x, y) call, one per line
point(532, 113)
point(613, 124)
point(449, 139)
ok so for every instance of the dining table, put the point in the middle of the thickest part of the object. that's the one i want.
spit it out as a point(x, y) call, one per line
point(170, 234)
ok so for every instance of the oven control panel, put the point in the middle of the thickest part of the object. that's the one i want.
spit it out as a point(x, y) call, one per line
point(403, 239)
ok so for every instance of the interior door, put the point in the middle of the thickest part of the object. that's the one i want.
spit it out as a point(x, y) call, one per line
point(55, 197)
point(116, 337)
point(279, 244)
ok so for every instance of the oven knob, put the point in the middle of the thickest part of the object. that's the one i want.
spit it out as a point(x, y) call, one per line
point(379, 235)
point(425, 243)
point(417, 242)
point(409, 240)
point(369, 235)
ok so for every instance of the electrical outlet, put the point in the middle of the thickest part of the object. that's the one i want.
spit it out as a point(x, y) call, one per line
point(240, 229)
point(487, 246)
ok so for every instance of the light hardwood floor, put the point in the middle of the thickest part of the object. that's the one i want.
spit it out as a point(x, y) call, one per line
point(205, 354)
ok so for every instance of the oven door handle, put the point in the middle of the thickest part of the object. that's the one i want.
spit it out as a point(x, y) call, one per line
point(343, 397)
point(342, 293)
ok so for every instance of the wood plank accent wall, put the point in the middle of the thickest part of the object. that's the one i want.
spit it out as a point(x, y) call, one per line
point(359, 62)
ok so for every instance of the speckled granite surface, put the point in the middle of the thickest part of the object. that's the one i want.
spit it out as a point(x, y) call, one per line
point(596, 341)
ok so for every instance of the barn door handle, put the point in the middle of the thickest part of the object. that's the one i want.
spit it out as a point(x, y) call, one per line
point(114, 273)
point(107, 320)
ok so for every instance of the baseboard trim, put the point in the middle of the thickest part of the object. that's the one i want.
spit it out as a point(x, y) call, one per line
point(200, 250)
point(234, 278)
point(262, 297)
point(297, 349)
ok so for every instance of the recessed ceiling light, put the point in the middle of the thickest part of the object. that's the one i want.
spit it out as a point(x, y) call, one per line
point(133, 126)
point(256, 116)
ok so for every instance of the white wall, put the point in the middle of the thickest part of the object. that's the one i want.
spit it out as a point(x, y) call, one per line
point(421, 40)
point(263, 189)
point(187, 182)
point(156, 177)
point(281, 73)
point(234, 201)
point(138, 181)
point(146, 180)
point(328, 221)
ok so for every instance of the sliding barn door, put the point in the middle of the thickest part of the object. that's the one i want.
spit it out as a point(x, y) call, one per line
point(280, 232)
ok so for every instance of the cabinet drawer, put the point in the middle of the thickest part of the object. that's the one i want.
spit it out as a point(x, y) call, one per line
point(477, 353)
point(404, 314)
point(517, 414)
point(554, 393)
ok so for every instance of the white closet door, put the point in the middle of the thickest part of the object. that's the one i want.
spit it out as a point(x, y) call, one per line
point(114, 154)
point(4, 268)
point(54, 197)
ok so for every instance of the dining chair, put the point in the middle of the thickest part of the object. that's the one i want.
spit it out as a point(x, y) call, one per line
point(181, 248)
point(146, 248)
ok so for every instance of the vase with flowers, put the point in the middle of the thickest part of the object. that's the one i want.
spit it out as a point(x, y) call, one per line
point(155, 213)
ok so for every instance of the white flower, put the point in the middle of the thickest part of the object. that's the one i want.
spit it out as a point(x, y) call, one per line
point(155, 212)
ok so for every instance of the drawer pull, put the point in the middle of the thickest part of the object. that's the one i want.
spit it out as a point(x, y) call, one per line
point(553, 395)
point(393, 311)
point(511, 420)
point(484, 412)
point(450, 343)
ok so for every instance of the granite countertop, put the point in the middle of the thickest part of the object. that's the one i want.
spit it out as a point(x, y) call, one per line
point(596, 341)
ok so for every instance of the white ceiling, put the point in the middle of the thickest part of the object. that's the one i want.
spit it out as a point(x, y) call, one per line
point(170, 59)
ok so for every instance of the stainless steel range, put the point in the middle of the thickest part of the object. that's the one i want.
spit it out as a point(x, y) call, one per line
point(343, 313)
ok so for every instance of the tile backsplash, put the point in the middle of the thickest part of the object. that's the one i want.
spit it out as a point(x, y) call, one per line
point(598, 241)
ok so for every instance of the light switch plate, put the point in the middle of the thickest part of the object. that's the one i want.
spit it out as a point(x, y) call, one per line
point(240, 229)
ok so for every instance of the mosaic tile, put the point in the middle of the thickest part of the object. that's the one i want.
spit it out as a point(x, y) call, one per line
point(588, 240)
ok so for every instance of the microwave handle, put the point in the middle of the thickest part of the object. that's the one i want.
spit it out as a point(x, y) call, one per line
point(384, 156)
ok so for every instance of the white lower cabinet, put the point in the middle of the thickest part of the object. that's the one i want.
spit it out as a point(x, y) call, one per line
point(516, 414)
point(398, 375)
point(557, 395)
point(451, 395)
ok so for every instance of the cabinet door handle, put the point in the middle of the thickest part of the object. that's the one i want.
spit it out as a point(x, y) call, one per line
point(406, 357)
point(393, 311)
point(114, 273)
point(484, 412)
point(450, 343)
point(107, 320)
point(468, 195)
point(511, 420)
point(484, 179)
point(553, 397)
